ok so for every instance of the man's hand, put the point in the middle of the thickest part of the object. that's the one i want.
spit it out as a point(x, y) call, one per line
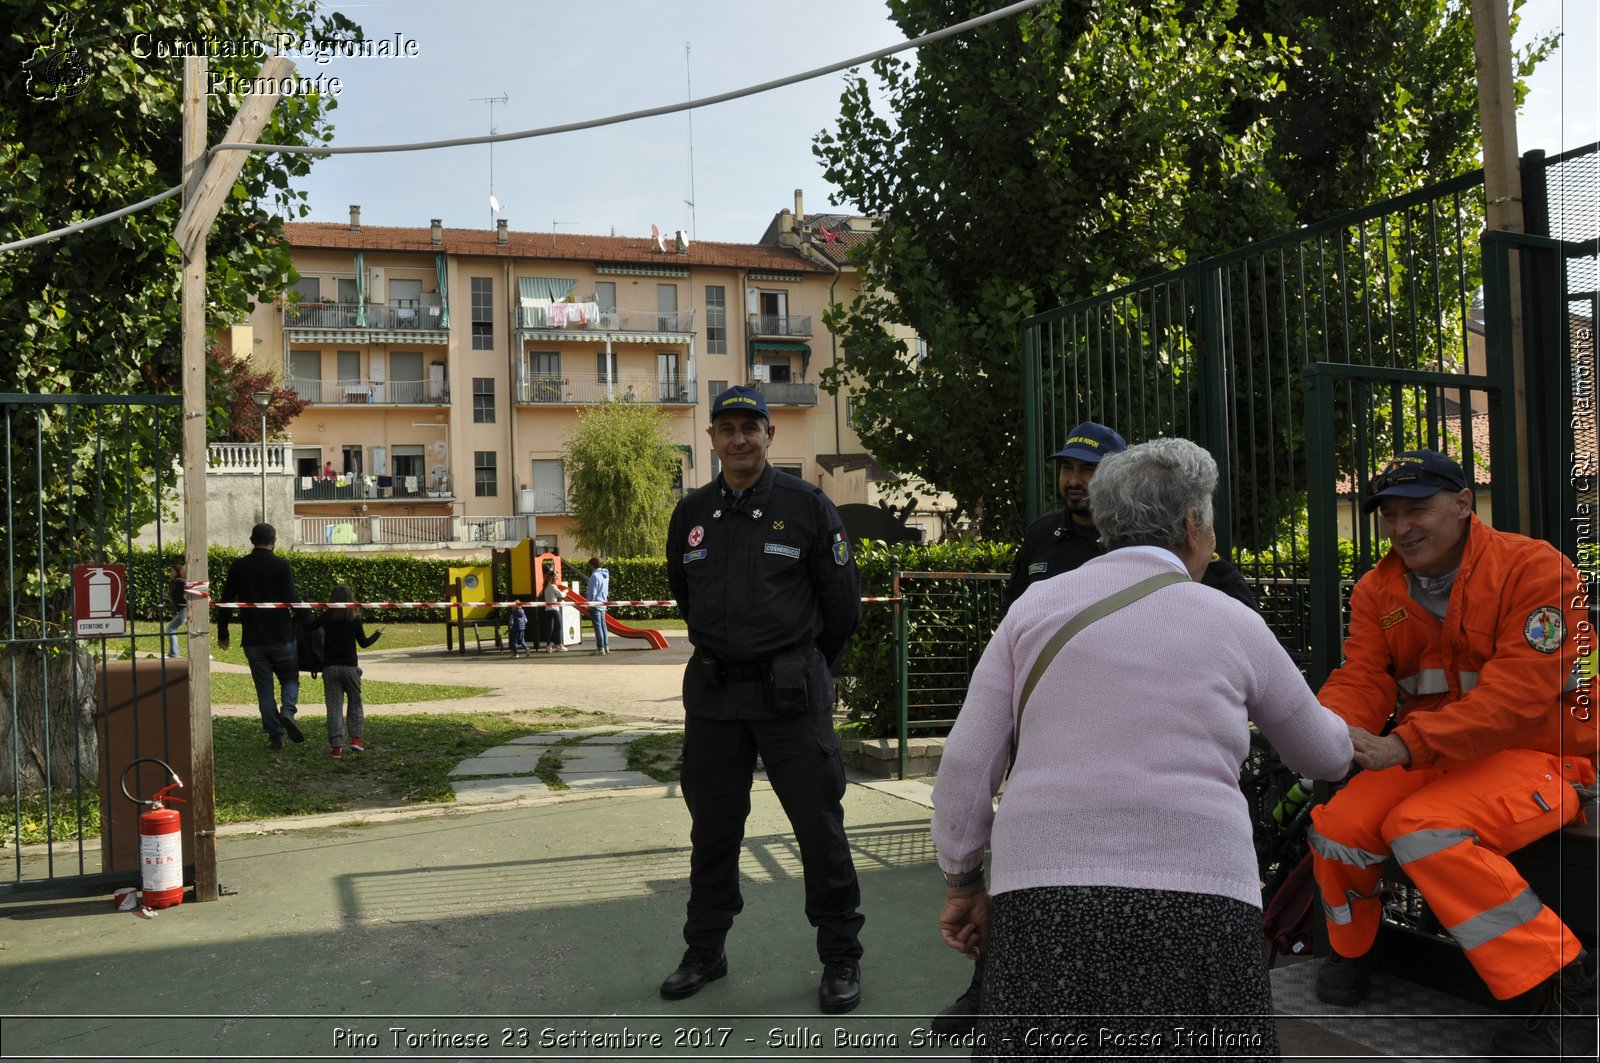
point(1374, 753)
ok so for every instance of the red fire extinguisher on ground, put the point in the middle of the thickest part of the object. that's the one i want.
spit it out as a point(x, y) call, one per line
point(160, 842)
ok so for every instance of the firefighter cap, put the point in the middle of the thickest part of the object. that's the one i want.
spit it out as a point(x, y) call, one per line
point(1091, 441)
point(1414, 474)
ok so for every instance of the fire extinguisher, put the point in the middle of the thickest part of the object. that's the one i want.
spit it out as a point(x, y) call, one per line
point(160, 842)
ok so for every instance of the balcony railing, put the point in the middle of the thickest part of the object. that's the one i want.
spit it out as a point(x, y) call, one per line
point(788, 393)
point(370, 488)
point(585, 316)
point(400, 314)
point(408, 531)
point(371, 392)
point(590, 390)
point(787, 325)
point(246, 457)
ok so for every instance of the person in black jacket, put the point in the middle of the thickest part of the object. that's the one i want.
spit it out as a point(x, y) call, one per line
point(341, 670)
point(269, 637)
point(762, 572)
point(178, 598)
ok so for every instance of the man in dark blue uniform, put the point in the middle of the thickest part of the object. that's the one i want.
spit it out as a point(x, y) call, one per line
point(760, 566)
point(1059, 542)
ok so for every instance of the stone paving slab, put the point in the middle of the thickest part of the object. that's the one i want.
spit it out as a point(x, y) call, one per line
point(496, 765)
point(513, 751)
point(536, 740)
point(610, 780)
point(612, 740)
point(575, 760)
point(476, 791)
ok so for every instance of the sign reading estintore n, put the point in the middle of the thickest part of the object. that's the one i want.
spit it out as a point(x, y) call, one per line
point(99, 600)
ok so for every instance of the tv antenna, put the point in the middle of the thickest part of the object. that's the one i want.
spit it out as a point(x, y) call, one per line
point(494, 204)
point(689, 114)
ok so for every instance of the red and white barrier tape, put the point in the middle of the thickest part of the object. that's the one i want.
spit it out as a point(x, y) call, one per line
point(661, 603)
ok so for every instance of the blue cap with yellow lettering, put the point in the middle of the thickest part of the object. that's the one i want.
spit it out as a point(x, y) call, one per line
point(740, 399)
point(1091, 441)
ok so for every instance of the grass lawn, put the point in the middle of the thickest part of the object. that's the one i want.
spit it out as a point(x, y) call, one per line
point(395, 637)
point(236, 688)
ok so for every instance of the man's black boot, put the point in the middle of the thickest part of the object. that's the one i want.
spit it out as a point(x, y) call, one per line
point(1562, 1025)
point(698, 967)
point(962, 1016)
point(840, 990)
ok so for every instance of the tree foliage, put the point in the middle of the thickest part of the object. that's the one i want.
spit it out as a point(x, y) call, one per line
point(1079, 146)
point(231, 412)
point(620, 467)
point(91, 123)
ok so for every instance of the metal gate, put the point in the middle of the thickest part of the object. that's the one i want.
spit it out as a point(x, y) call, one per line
point(84, 477)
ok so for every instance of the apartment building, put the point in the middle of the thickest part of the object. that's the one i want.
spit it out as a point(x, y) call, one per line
point(446, 367)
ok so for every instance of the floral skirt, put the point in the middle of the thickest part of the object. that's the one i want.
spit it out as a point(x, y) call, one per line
point(1112, 971)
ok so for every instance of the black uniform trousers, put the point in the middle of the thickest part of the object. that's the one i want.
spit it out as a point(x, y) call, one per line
point(801, 757)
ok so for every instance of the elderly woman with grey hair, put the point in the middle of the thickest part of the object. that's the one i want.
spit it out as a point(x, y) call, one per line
point(1122, 915)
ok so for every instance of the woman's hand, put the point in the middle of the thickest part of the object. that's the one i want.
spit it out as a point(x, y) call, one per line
point(964, 921)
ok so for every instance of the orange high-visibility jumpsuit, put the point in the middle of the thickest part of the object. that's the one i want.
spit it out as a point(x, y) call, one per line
point(1499, 721)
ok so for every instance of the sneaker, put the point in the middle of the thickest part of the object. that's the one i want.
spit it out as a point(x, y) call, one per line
point(1345, 980)
point(337, 751)
point(357, 746)
point(1562, 1024)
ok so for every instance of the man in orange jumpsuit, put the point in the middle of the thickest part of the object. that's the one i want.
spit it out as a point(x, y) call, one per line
point(1469, 638)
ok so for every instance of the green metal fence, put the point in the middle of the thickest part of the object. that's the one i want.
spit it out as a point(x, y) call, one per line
point(80, 487)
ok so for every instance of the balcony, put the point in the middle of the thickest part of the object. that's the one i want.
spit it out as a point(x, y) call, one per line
point(550, 389)
point(405, 314)
point(781, 326)
point(587, 317)
point(786, 393)
point(372, 392)
point(409, 531)
point(371, 488)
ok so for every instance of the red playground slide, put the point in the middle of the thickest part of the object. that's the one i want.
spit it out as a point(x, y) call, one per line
point(656, 639)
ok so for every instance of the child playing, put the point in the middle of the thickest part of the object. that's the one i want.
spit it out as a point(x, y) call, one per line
point(341, 674)
point(519, 625)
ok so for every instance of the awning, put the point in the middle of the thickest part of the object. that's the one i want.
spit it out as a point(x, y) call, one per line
point(348, 337)
point(537, 291)
point(555, 335)
point(802, 349)
point(688, 450)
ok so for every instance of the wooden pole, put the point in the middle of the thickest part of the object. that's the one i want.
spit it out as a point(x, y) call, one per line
point(201, 789)
point(1502, 186)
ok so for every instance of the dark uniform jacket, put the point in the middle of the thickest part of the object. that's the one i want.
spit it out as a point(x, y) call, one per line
point(1055, 543)
point(755, 577)
point(259, 576)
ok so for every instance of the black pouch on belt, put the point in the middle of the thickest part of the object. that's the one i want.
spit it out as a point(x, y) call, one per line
point(789, 688)
point(711, 671)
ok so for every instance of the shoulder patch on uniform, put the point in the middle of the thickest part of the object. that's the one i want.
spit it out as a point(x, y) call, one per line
point(841, 549)
point(1546, 629)
point(1389, 620)
point(1038, 568)
point(695, 555)
point(779, 548)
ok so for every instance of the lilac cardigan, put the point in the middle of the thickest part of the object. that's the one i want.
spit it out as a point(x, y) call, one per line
point(1127, 769)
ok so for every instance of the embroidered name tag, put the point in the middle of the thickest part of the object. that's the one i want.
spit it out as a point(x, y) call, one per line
point(1393, 618)
point(786, 551)
point(695, 555)
point(1038, 568)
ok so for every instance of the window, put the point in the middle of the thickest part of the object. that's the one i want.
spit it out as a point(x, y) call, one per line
point(405, 376)
point(792, 470)
point(605, 367)
point(347, 290)
point(543, 376)
point(483, 399)
point(919, 348)
point(309, 289)
point(773, 313)
point(605, 294)
point(485, 479)
point(409, 476)
point(667, 307)
point(668, 387)
point(716, 319)
point(549, 486)
point(305, 374)
point(350, 387)
point(777, 368)
point(715, 388)
point(405, 299)
point(483, 313)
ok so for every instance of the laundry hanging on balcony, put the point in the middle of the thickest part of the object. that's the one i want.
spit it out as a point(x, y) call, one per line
point(538, 294)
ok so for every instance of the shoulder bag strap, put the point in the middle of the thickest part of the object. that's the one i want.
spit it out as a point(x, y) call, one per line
point(1104, 607)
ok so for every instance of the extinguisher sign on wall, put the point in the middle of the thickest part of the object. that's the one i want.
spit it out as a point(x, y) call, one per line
point(99, 600)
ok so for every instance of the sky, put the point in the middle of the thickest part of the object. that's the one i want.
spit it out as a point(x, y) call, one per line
point(737, 163)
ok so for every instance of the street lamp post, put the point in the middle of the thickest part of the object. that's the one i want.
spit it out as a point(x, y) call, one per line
point(262, 400)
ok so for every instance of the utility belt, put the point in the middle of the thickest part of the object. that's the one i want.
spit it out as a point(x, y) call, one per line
point(785, 675)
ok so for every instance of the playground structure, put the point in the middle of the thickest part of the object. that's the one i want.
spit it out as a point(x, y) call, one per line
point(517, 574)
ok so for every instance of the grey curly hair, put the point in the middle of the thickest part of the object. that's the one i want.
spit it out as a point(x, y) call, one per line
point(1144, 495)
